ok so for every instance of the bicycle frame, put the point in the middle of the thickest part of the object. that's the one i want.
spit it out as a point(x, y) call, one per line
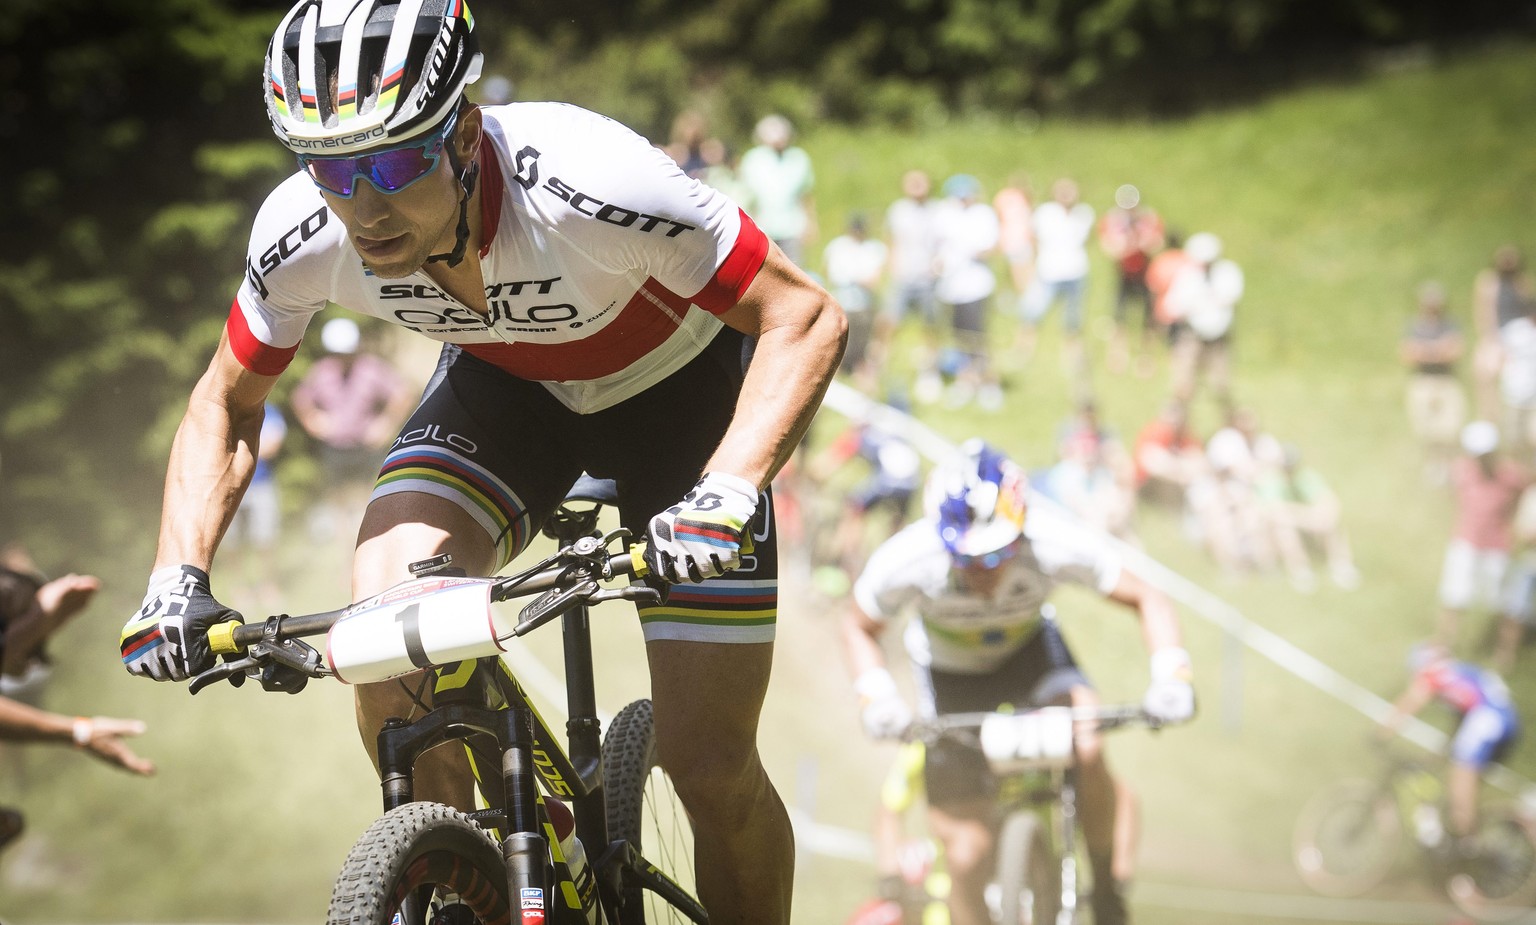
point(478, 702)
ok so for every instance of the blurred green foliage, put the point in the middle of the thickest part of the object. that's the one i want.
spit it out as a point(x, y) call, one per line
point(137, 150)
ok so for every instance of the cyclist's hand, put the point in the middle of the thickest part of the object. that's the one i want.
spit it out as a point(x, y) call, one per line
point(704, 535)
point(1170, 697)
point(884, 713)
point(168, 638)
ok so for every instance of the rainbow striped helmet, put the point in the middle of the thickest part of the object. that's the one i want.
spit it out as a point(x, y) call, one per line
point(344, 76)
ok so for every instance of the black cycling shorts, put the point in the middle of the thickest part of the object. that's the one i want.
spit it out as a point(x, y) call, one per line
point(507, 451)
point(1042, 673)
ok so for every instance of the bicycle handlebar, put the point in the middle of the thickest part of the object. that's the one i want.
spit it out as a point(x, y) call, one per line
point(567, 579)
point(1105, 717)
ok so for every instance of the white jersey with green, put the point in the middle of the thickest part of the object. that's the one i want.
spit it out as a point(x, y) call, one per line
point(605, 266)
point(958, 630)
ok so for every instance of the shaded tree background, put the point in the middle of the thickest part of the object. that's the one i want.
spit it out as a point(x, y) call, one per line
point(136, 152)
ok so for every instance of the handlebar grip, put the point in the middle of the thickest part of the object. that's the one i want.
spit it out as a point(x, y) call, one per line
point(221, 638)
point(637, 560)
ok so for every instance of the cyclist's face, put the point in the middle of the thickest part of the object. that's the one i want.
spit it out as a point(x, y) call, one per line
point(394, 233)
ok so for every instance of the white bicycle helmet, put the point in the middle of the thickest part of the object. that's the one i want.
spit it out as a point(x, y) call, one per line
point(977, 501)
point(344, 76)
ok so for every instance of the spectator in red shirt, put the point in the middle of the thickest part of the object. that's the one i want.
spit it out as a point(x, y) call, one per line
point(1130, 234)
point(351, 402)
point(1487, 489)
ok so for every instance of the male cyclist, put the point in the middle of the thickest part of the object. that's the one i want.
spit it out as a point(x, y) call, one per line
point(977, 570)
point(600, 312)
point(1487, 730)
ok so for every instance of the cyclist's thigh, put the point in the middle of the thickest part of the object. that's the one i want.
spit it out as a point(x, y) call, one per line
point(1479, 736)
point(488, 443)
point(656, 445)
point(707, 699)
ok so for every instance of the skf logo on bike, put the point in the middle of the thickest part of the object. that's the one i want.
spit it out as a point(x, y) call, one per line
point(532, 906)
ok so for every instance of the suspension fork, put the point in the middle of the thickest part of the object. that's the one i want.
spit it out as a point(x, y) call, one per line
point(525, 849)
point(1068, 808)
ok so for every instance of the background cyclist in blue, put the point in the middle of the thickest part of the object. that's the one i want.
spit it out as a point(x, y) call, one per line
point(1487, 729)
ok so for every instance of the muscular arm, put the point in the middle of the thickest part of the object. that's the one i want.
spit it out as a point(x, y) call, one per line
point(212, 459)
point(861, 641)
point(800, 335)
point(1159, 621)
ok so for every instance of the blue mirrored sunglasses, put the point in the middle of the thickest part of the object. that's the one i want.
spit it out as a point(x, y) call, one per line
point(989, 560)
point(390, 170)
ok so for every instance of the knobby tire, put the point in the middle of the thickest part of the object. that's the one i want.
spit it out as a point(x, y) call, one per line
point(644, 810)
point(405, 855)
point(1028, 872)
point(1347, 838)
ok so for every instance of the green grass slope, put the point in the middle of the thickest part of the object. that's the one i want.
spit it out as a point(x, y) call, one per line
point(1336, 201)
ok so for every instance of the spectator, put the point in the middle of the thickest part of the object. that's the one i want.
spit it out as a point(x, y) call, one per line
point(1518, 597)
point(1302, 510)
point(720, 169)
point(1240, 454)
point(1062, 227)
point(252, 536)
point(1168, 457)
point(690, 131)
point(1501, 292)
point(1085, 482)
point(967, 237)
point(1202, 299)
point(913, 244)
point(1016, 235)
point(1487, 489)
point(1517, 380)
point(1437, 406)
point(350, 402)
point(895, 472)
point(1130, 234)
point(1162, 270)
point(778, 179)
point(854, 263)
point(32, 609)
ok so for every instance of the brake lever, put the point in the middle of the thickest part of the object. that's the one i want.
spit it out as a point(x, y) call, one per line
point(552, 604)
point(220, 672)
point(644, 593)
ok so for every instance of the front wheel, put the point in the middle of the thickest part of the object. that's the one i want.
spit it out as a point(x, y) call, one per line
point(644, 810)
point(1027, 872)
point(1347, 838)
point(1498, 884)
point(413, 857)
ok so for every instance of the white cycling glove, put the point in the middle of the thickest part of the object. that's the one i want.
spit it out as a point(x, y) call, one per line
point(704, 535)
point(884, 714)
point(1170, 697)
point(168, 638)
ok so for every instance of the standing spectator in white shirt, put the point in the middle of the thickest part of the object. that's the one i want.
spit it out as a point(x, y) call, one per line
point(967, 237)
point(854, 263)
point(1517, 379)
point(1202, 300)
point(913, 243)
point(779, 178)
point(1062, 227)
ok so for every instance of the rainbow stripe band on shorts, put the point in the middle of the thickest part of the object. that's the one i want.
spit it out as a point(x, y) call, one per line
point(726, 609)
point(446, 474)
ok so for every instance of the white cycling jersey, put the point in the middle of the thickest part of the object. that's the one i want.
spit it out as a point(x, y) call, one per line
point(960, 631)
point(605, 266)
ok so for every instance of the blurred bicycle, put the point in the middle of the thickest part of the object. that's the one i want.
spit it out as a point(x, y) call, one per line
point(1349, 837)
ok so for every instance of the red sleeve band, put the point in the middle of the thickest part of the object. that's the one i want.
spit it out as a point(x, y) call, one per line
point(730, 282)
point(261, 359)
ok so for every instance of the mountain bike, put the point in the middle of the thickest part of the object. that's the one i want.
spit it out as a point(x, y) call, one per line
point(1031, 754)
point(1349, 836)
point(424, 863)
